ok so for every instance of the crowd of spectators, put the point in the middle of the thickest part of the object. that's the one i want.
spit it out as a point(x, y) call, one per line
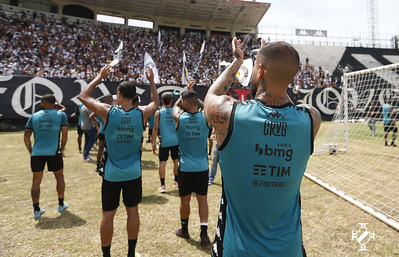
point(310, 76)
point(36, 45)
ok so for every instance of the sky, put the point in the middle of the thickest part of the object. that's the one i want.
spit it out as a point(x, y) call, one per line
point(337, 15)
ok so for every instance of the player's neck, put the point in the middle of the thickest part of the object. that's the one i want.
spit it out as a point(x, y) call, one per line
point(126, 104)
point(192, 109)
point(273, 97)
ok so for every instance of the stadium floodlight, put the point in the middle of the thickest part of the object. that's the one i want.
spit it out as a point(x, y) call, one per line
point(350, 158)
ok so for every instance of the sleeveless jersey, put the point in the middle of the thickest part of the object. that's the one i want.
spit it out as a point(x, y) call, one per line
point(101, 120)
point(123, 132)
point(386, 115)
point(192, 133)
point(80, 114)
point(263, 159)
point(151, 121)
point(46, 126)
point(167, 128)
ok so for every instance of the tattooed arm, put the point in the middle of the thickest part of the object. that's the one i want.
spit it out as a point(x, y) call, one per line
point(217, 105)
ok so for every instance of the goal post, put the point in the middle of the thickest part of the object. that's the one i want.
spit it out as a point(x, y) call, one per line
point(351, 158)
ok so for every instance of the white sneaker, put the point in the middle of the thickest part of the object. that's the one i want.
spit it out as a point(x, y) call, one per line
point(37, 214)
point(63, 207)
point(88, 159)
point(162, 189)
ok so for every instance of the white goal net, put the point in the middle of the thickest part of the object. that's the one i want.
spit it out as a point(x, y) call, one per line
point(351, 158)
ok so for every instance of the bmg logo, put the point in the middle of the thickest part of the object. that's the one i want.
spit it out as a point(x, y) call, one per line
point(362, 236)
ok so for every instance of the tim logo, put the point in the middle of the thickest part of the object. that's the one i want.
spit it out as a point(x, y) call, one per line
point(362, 236)
point(275, 114)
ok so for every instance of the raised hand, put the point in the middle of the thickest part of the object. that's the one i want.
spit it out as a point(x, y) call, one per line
point(262, 42)
point(105, 71)
point(150, 74)
point(237, 46)
point(190, 85)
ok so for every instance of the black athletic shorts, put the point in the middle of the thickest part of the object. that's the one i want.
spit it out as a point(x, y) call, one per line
point(196, 182)
point(54, 162)
point(111, 191)
point(164, 153)
point(101, 136)
point(80, 131)
point(390, 127)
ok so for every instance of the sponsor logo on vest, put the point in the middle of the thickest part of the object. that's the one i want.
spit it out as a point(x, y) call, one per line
point(274, 114)
point(126, 120)
point(275, 128)
point(276, 152)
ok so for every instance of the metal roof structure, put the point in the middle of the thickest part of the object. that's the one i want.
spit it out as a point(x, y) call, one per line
point(223, 11)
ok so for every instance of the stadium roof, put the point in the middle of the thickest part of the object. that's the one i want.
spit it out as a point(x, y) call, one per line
point(224, 11)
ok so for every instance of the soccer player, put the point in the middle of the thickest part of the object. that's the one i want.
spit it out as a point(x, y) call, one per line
point(264, 146)
point(372, 117)
point(78, 112)
point(389, 122)
point(90, 132)
point(150, 128)
point(46, 126)
point(123, 130)
point(167, 128)
point(101, 137)
point(192, 132)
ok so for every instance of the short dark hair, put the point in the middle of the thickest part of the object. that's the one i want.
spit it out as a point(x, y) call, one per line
point(48, 98)
point(166, 98)
point(127, 89)
point(190, 96)
point(283, 56)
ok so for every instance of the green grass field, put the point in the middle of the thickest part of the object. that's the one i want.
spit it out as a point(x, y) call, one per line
point(328, 221)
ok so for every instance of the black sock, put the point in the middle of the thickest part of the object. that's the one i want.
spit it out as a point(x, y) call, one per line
point(61, 201)
point(175, 177)
point(184, 225)
point(98, 164)
point(162, 181)
point(132, 247)
point(106, 251)
point(36, 206)
point(209, 152)
point(204, 230)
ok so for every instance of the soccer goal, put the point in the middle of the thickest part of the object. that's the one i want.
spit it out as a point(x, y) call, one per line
point(350, 157)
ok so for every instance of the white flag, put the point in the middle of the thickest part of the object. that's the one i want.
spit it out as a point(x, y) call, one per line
point(184, 72)
point(159, 39)
point(244, 72)
point(148, 61)
point(202, 47)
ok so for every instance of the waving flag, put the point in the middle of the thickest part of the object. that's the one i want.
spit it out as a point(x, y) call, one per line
point(148, 61)
point(184, 72)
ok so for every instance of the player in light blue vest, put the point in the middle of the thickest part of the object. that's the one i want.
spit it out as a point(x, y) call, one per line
point(150, 128)
point(389, 122)
point(168, 143)
point(124, 126)
point(100, 132)
point(46, 125)
point(192, 131)
point(264, 148)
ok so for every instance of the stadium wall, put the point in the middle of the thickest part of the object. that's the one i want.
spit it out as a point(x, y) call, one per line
point(20, 95)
